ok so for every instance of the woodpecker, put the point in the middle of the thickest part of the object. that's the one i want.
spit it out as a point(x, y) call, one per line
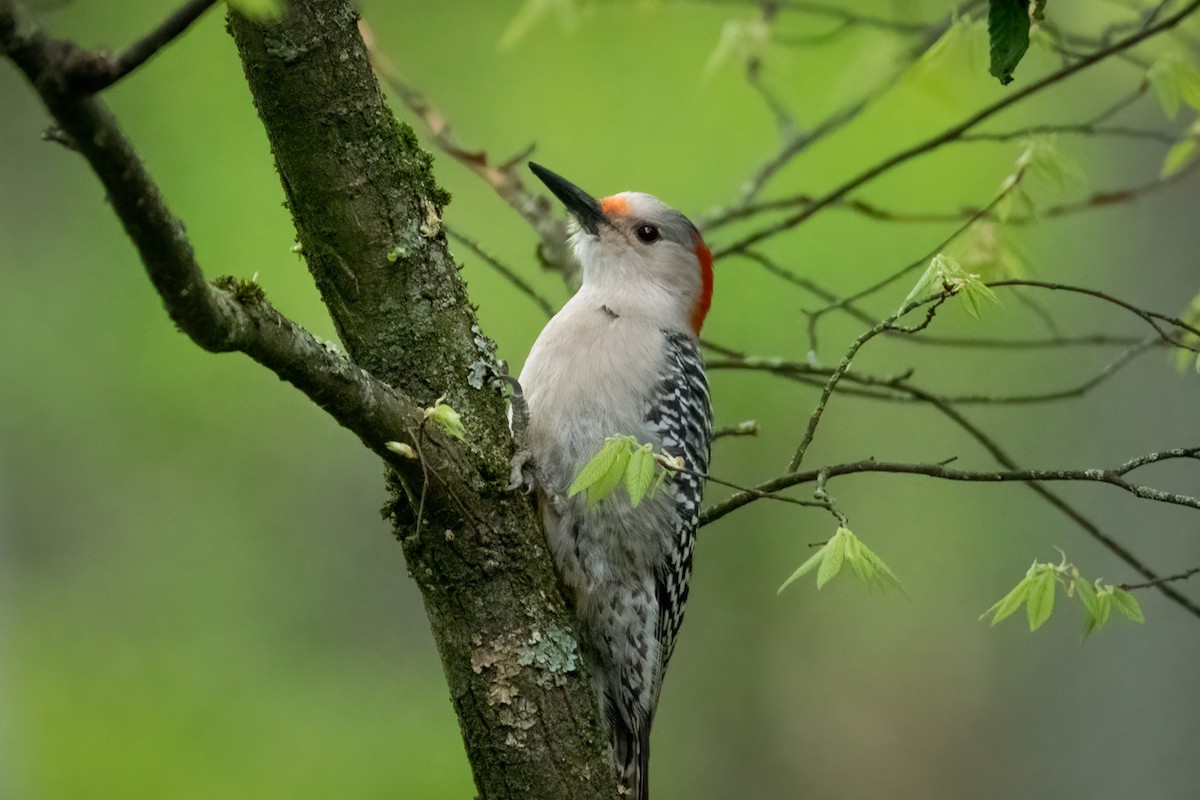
point(622, 358)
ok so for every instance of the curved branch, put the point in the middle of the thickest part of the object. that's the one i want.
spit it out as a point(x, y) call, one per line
point(234, 318)
point(89, 71)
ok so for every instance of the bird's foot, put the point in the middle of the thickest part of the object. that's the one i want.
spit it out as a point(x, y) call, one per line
point(522, 475)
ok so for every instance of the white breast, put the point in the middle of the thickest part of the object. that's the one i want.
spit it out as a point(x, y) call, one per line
point(589, 376)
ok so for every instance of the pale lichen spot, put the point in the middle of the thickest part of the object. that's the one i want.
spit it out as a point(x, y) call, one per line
point(432, 225)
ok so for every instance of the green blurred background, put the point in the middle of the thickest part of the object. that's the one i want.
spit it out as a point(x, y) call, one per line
point(200, 600)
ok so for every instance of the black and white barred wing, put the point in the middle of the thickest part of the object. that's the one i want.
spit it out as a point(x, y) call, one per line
point(682, 416)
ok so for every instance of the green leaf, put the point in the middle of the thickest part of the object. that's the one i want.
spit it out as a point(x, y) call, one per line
point(842, 548)
point(1087, 597)
point(598, 467)
point(743, 40)
point(1044, 159)
point(881, 572)
point(859, 562)
point(1008, 33)
point(447, 419)
point(808, 566)
point(261, 10)
point(1128, 605)
point(1183, 355)
point(942, 270)
point(639, 474)
point(1039, 10)
point(974, 293)
point(1040, 603)
point(1178, 157)
point(831, 565)
point(930, 280)
point(1086, 594)
point(1175, 79)
point(1008, 604)
point(1103, 608)
point(604, 486)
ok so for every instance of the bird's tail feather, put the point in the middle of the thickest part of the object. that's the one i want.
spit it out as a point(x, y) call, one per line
point(633, 760)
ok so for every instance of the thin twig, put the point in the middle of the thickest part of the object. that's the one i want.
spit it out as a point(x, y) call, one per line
point(508, 272)
point(88, 71)
point(1182, 576)
point(749, 489)
point(1152, 318)
point(1080, 129)
point(1120, 105)
point(747, 428)
point(1113, 477)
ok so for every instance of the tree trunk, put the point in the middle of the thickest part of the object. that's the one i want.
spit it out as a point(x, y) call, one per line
point(367, 215)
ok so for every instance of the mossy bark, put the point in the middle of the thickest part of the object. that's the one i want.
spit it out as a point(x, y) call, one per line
point(367, 209)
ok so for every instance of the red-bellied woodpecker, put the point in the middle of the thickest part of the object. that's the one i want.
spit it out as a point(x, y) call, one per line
point(621, 358)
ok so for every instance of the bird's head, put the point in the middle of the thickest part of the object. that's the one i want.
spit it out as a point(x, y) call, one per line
point(633, 241)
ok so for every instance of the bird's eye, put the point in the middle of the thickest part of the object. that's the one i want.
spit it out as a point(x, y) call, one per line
point(648, 233)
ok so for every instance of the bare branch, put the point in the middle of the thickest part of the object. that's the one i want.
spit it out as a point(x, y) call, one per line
point(511, 275)
point(1152, 318)
point(1077, 129)
point(1121, 104)
point(747, 428)
point(89, 71)
point(235, 317)
point(1182, 576)
point(1113, 477)
point(750, 490)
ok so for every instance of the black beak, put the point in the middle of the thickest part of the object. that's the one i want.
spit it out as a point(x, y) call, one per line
point(581, 204)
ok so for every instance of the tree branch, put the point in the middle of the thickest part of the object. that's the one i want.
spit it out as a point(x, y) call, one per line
point(88, 71)
point(1113, 477)
point(1182, 576)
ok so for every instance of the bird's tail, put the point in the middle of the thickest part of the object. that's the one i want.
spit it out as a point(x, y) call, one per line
point(633, 760)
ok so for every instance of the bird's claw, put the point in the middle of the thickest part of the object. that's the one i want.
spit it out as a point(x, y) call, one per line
point(522, 476)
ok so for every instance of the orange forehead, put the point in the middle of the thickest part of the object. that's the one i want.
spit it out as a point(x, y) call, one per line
point(614, 204)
